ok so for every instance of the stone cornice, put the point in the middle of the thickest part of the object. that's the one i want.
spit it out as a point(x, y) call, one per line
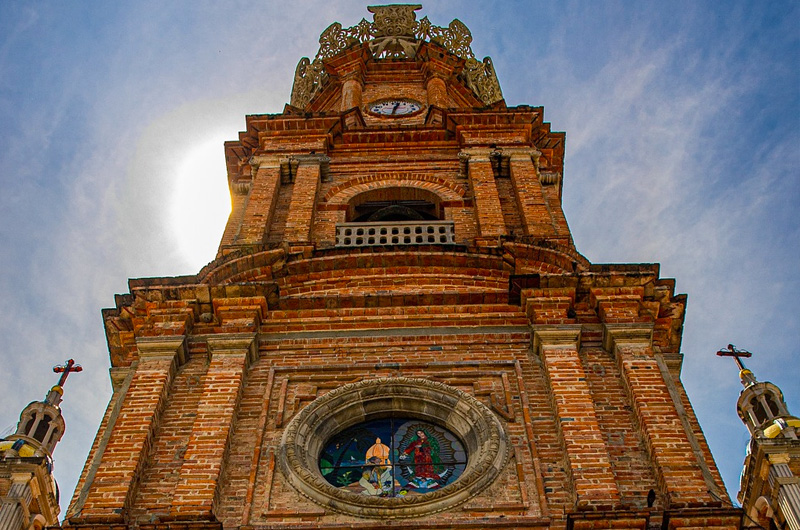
point(234, 344)
point(162, 348)
point(558, 337)
point(637, 334)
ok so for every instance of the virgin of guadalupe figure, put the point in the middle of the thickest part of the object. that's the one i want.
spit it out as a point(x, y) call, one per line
point(425, 453)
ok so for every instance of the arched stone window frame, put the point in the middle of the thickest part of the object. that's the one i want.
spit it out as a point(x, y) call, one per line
point(477, 427)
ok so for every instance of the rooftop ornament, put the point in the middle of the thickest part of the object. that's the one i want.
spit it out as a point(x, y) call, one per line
point(41, 425)
point(395, 33)
point(761, 405)
point(745, 375)
point(54, 396)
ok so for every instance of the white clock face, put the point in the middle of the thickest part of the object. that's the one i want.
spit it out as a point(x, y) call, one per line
point(395, 107)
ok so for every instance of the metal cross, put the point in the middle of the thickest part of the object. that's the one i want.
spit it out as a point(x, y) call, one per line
point(66, 369)
point(736, 353)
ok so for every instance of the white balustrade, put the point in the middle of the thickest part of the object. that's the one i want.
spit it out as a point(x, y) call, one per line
point(395, 233)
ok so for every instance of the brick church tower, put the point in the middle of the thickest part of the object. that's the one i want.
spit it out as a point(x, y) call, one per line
point(397, 329)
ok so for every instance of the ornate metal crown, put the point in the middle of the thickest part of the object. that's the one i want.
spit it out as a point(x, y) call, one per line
point(395, 33)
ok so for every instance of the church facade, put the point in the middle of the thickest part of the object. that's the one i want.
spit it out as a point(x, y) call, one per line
point(398, 329)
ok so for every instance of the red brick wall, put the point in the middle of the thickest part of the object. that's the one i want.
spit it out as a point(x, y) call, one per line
point(580, 419)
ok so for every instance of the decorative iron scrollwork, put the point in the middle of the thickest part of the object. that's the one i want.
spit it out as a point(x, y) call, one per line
point(456, 38)
point(395, 34)
point(482, 79)
point(308, 79)
point(332, 41)
point(395, 20)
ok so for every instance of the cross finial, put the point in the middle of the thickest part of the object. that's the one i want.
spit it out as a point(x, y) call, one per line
point(746, 375)
point(66, 369)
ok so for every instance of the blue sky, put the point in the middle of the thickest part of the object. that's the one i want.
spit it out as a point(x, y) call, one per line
point(683, 148)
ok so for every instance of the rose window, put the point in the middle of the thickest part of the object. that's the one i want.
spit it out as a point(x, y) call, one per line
point(393, 457)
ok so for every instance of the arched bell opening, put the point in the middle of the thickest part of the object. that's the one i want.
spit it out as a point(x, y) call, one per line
point(396, 204)
point(764, 408)
point(395, 215)
point(42, 426)
point(761, 404)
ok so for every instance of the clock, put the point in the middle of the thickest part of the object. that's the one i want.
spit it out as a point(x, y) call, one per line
point(395, 107)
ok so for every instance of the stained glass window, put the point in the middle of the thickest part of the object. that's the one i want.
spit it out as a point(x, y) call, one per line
point(393, 457)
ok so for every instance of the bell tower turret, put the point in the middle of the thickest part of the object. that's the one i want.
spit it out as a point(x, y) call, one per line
point(28, 490)
point(769, 489)
point(761, 405)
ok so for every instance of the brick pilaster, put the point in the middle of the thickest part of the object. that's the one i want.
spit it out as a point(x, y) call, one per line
point(537, 219)
point(679, 472)
point(436, 90)
point(239, 193)
point(304, 199)
point(241, 314)
point(260, 201)
point(488, 210)
point(114, 483)
point(589, 462)
point(197, 489)
point(352, 87)
point(552, 198)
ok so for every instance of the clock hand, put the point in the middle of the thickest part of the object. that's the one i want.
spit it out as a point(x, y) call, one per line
point(394, 109)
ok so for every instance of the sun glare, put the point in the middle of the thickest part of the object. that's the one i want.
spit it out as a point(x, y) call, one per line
point(201, 203)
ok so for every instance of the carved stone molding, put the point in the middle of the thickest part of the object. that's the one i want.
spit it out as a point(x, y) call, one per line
point(615, 335)
point(155, 348)
point(500, 163)
point(549, 178)
point(233, 344)
point(289, 169)
point(395, 34)
point(475, 154)
point(531, 153)
point(290, 164)
point(264, 161)
point(241, 187)
point(477, 427)
point(118, 375)
point(463, 164)
point(566, 336)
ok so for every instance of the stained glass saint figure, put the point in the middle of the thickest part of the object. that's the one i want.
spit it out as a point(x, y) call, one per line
point(419, 457)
